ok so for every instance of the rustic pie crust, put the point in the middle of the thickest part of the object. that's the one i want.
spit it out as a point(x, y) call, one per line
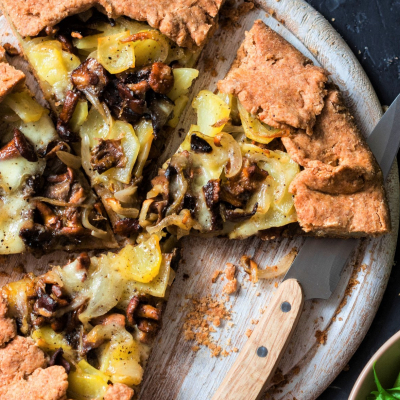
point(336, 189)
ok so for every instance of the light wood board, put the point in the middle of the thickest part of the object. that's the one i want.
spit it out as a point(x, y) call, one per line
point(174, 371)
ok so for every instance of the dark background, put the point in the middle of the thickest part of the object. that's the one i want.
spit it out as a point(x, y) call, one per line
point(372, 30)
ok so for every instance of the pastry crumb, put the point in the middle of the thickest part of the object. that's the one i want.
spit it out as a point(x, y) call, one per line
point(321, 336)
point(215, 275)
point(248, 332)
point(231, 287)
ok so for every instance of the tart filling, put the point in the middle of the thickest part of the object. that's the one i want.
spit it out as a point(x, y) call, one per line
point(46, 202)
point(118, 88)
point(96, 317)
point(230, 176)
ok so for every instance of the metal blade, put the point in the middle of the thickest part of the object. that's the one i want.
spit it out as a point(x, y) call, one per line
point(320, 261)
point(384, 140)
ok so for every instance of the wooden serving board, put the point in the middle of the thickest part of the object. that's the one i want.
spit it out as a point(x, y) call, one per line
point(174, 371)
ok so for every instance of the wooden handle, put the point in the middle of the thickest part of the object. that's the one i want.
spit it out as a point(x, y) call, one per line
point(257, 362)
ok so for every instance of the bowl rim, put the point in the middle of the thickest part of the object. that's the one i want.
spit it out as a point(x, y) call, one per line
point(368, 367)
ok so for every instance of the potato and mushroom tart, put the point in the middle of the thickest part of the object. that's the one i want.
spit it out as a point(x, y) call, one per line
point(97, 317)
point(118, 88)
point(230, 176)
point(46, 202)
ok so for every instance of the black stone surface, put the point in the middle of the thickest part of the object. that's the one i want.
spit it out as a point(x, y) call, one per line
point(372, 30)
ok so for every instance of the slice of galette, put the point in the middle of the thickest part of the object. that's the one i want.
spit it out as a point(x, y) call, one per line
point(46, 202)
point(117, 85)
point(276, 151)
point(93, 320)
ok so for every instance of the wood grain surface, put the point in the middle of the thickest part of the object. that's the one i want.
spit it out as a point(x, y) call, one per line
point(329, 331)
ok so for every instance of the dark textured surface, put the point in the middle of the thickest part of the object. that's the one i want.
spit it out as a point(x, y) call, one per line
point(372, 30)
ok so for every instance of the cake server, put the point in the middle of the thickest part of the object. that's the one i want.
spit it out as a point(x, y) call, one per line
point(314, 274)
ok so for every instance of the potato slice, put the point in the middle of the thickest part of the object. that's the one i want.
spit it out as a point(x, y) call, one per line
point(255, 129)
point(212, 112)
point(145, 132)
point(24, 106)
point(79, 116)
point(114, 55)
point(48, 340)
point(87, 382)
point(140, 263)
point(180, 105)
point(120, 360)
point(130, 145)
point(154, 49)
point(183, 79)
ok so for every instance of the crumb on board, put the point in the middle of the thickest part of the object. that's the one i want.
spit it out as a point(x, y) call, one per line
point(248, 332)
point(231, 287)
point(254, 321)
point(215, 275)
point(203, 316)
point(230, 271)
point(321, 336)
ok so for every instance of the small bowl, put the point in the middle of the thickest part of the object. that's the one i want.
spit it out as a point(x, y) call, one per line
point(387, 368)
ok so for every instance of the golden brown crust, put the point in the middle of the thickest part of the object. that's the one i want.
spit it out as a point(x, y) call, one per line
point(44, 384)
point(118, 391)
point(187, 22)
point(8, 328)
point(340, 192)
point(275, 81)
point(20, 358)
point(10, 78)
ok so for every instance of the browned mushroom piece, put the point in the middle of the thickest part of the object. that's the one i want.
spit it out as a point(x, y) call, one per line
point(134, 99)
point(83, 261)
point(90, 76)
point(127, 226)
point(131, 309)
point(70, 103)
point(140, 88)
point(107, 154)
point(66, 133)
point(58, 359)
point(148, 326)
point(66, 43)
point(138, 36)
point(50, 219)
point(148, 311)
point(58, 187)
point(161, 79)
point(109, 319)
point(18, 146)
point(54, 146)
point(145, 338)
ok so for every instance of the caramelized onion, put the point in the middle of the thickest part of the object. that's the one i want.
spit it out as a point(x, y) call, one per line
point(96, 232)
point(128, 212)
point(125, 195)
point(69, 159)
point(59, 203)
point(234, 154)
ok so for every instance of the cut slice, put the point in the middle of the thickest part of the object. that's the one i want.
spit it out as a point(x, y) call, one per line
point(92, 318)
point(46, 202)
point(118, 86)
point(235, 175)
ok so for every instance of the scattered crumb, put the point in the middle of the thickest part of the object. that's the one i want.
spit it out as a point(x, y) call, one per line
point(340, 319)
point(296, 370)
point(346, 368)
point(228, 341)
point(231, 287)
point(321, 336)
point(258, 294)
point(224, 353)
point(276, 284)
point(10, 49)
point(230, 271)
point(278, 378)
point(235, 349)
point(195, 348)
point(248, 332)
point(254, 321)
point(186, 277)
point(215, 275)
point(230, 324)
point(202, 313)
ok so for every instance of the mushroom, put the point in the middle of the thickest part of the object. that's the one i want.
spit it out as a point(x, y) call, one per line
point(18, 146)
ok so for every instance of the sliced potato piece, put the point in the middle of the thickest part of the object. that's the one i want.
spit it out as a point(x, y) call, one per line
point(87, 382)
point(183, 79)
point(180, 105)
point(145, 133)
point(141, 262)
point(24, 106)
point(116, 56)
point(130, 145)
point(212, 112)
point(151, 50)
point(255, 129)
point(79, 116)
